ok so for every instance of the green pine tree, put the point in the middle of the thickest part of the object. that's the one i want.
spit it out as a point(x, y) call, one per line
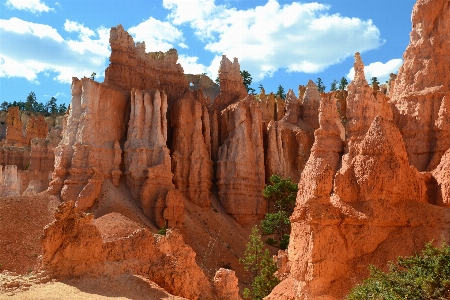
point(320, 85)
point(334, 85)
point(258, 262)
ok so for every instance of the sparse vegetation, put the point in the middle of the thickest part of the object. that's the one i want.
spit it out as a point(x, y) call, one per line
point(162, 231)
point(262, 267)
point(422, 276)
point(320, 86)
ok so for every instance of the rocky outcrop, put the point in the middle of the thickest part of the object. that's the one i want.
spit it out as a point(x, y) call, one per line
point(86, 153)
point(232, 87)
point(9, 181)
point(37, 127)
point(288, 145)
point(132, 68)
point(310, 105)
point(225, 285)
point(202, 82)
point(423, 83)
point(191, 149)
point(370, 211)
point(73, 246)
point(240, 165)
point(363, 104)
point(14, 126)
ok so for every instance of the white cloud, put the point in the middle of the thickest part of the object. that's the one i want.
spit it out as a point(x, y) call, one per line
point(34, 6)
point(157, 35)
point(379, 70)
point(29, 49)
point(72, 26)
point(298, 37)
point(190, 64)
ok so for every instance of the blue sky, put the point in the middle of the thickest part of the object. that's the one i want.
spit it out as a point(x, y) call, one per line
point(45, 43)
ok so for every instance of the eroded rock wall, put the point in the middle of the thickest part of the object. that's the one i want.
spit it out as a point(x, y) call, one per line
point(422, 87)
point(86, 153)
point(132, 68)
point(368, 206)
point(240, 165)
point(191, 149)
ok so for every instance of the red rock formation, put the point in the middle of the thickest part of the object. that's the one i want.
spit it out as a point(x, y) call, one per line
point(202, 82)
point(310, 104)
point(9, 183)
point(363, 104)
point(86, 154)
point(422, 83)
point(226, 285)
point(288, 150)
point(369, 212)
point(14, 125)
point(36, 128)
point(191, 153)
point(73, 246)
point(232, 87)
point(288, 145)
point(145, 147)
point(267, 106)
point(132, 68)
point(240, 166)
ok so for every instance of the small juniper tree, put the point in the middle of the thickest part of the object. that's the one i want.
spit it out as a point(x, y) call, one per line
point(423, 276)
point(261, 266)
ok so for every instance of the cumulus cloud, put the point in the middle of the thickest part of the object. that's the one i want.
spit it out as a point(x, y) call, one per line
point(379, 70)
point(30, 48)
point(297, 37)
point(34, 6)
point(157, 35)
point(190, 64)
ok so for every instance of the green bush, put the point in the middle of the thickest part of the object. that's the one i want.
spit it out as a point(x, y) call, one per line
point(280, 194)
point(162, 231)
point(423, 276)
